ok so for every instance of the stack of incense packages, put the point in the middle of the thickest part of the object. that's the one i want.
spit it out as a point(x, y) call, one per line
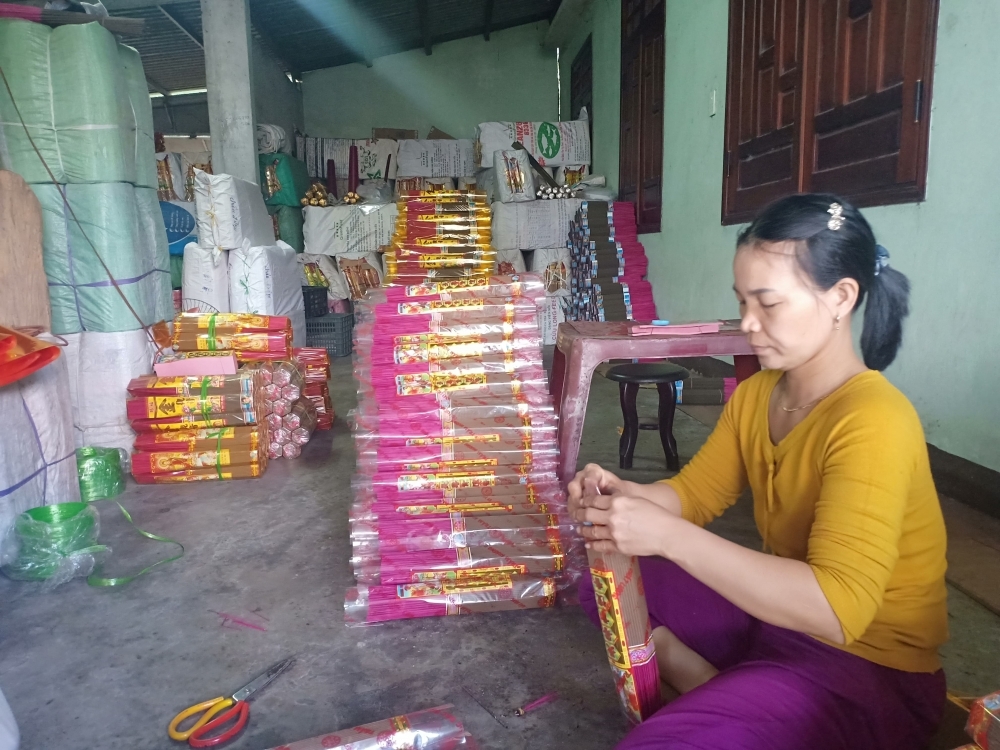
point(193, 428)
point(609, 265)
point(251, 337)
point(315, 364)
point(458, 508)
point(441, 234)
point(433, 729)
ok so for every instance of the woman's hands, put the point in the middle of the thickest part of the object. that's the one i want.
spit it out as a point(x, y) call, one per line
point(592, 480)
point(618, 520)
point(632, 526)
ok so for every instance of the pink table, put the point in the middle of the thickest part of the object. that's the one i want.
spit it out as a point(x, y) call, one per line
point(582, 346)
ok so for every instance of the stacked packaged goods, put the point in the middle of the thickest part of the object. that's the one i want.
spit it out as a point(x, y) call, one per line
point(315, 363)
point(290, 415)
point(195, 428)
point(77, 124)
point(458, 508)
point(440, 235)
point(251, 337)
point(608, 265)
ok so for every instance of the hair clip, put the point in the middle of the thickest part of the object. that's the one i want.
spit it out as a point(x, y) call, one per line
point(836, 221)
point(881, 259)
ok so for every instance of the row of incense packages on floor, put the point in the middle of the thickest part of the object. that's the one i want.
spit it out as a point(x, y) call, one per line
point(609, 265)
point(458, 508)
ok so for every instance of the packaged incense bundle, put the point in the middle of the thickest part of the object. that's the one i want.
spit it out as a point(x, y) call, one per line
point(195, 422)
point(435, 348)
point(447, 458)
point(240, 384)
point(156, 407)
point(465, 491)
point(464, 563)
point(372, 539)
point(493, 286)
point(235, 438)
point(984, 722)
point(621, 605)
point(274, 343)
point(240, 471)
point(230, 323)
point(380, 603)
point(166, 462)
point(434, 729)
point(368, 511)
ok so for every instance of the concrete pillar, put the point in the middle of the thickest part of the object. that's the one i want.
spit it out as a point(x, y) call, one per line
point(226, 30)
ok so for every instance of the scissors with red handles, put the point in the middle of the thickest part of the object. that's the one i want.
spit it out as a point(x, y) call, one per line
point(212, 720)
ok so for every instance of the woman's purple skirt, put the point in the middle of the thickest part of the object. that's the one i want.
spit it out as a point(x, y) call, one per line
point(776, 689)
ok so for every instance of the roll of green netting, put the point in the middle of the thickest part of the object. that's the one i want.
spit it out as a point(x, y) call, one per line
point(100, 471)
point(54, 543)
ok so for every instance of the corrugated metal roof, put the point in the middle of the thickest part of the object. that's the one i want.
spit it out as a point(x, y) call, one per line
point(313, 34)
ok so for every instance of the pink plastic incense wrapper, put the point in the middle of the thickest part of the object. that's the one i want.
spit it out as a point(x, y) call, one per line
point(434, 729)
point(621, 606)
point(366, 605)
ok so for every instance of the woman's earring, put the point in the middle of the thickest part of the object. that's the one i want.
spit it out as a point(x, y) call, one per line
point(837, 320)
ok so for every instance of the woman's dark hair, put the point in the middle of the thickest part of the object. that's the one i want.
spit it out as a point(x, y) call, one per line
point(839, 244)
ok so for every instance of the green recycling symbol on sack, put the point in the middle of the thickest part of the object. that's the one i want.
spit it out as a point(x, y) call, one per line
point(549, 140)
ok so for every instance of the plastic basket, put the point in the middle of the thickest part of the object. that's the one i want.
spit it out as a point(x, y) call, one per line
point(332, 332)
point(315, 301)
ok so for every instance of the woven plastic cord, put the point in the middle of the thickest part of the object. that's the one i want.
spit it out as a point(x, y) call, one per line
point(100, 472)
point(55, 543)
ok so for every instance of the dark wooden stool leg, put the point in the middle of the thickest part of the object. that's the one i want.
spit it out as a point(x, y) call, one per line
point(630, 432)
point(668, 404)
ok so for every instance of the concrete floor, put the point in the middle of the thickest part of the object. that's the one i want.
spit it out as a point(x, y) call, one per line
point(87, 668)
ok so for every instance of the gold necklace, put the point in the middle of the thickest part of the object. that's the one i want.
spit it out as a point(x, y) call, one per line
point(804, 406)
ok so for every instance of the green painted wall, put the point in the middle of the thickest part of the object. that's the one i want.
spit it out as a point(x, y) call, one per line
point(463, 83)
point(949, 245)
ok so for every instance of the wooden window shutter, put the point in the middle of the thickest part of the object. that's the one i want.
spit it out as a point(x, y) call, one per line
point(763, 105)
point(869, 99)
point(640, 161)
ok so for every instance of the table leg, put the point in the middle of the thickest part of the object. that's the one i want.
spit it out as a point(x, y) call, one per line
point(573, 410)
point(557, 376)
point(746, 365)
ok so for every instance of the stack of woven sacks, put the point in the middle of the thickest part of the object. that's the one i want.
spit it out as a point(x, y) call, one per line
point(193, 428)
point(86, 150)
point(440, 235)
point(609, 265)
point(315, 362)
point(458, 508)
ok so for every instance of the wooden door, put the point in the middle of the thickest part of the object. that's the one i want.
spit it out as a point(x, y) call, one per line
point(763, 105)
point(869, 98)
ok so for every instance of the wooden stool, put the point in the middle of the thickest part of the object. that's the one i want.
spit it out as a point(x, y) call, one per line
point(629, 378)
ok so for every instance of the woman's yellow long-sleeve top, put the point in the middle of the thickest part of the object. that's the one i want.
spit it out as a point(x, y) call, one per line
point(848, 491)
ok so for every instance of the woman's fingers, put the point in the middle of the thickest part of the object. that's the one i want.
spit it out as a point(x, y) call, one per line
point(595, 516)
point(603, 545)
point(601, 502)
point(594, 533)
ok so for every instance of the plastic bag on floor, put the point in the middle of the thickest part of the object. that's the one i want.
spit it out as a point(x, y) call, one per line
point(9, 735)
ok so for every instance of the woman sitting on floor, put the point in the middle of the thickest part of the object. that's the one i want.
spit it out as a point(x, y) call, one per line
point(828, 639)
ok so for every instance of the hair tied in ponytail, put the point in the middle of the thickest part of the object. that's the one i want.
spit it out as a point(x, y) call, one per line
point(881, 259)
